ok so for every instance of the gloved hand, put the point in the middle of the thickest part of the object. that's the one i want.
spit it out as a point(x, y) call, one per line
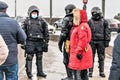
point(23, 46)
point(60, 47)
point(60, 43)
point(106, 43)
point(79, 56)
point(45, 47)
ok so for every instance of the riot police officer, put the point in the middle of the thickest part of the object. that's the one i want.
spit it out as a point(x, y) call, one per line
point(65, 37)
point(100, 38)
point(37, 40)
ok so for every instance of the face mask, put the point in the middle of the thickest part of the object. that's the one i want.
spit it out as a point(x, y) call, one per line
point(34, 16)
point(96, 16)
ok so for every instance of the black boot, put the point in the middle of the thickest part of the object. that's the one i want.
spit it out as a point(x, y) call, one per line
point(77, 75)
point(90, 72)
point(84, 74)
point(101, 69)
point(29, 68)
point(40, 69)
point(102, 74)
point(69, 74)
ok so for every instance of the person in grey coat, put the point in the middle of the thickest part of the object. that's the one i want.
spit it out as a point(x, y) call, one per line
point(115, 68)
point(13, 34)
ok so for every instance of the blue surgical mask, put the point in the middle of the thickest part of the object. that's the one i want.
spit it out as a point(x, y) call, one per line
point(34, 16)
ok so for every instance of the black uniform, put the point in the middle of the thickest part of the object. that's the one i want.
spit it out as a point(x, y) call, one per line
point(65, 37)
point(100, 38)
point(37, 41)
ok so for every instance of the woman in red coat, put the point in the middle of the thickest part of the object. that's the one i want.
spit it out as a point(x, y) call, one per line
point(80, 50)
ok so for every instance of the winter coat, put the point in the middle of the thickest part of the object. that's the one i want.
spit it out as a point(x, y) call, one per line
point(3, 50)
point(115, 68)
point(79, 42)
point(13, 34)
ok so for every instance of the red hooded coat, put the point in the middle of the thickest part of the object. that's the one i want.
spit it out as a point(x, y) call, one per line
point(79, 44)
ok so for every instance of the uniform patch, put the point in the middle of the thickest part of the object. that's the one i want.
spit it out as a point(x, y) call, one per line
point(82, 28)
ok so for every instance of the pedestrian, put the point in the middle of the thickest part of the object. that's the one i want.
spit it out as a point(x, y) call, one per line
point(65, 38)
point(12, 34)
point(3, 51)
point(80, 50)
point(115, 68)
point(100, 38)
point(37, 33)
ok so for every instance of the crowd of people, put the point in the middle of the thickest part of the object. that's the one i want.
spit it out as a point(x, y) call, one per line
point(79, 41)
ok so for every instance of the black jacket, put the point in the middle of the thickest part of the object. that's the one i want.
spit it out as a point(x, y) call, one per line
point(37, 22)
point(65, 31)
point(100, 30)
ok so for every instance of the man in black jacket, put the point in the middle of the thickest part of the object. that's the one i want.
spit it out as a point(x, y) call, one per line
point(100, 38)
point(65, 38)
point(13, 34)
point(37, 33)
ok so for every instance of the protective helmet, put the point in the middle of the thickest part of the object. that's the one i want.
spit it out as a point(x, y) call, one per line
point(96, 9)
point(69, 8)
point(96, 13)
point(33, 8)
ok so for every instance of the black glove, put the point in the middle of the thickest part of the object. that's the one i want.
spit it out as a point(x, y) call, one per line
point(60, 47)
point(23, 46)
point(45, 47)
point(79, 56)
point(106, 43)
point(60, 43)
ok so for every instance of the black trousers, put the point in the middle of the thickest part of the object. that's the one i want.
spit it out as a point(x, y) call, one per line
point(99, 48)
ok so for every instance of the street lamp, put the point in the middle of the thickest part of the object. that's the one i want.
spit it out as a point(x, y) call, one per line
point(103, 7)
point(15, 8)
point(85, 2)
point(50, 11)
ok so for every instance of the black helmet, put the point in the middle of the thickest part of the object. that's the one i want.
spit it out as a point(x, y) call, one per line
point(69, 8)
point(96, 13)
point(33, 8)
point(96, 9)
point(3, 5)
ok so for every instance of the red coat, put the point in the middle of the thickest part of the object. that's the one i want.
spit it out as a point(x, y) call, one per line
point(79, 43)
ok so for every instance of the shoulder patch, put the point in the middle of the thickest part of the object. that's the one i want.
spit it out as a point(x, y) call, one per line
point(82, 27)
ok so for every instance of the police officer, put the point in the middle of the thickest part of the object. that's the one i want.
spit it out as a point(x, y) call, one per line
point(37, 40)
point(65, 37)
point(100, 38)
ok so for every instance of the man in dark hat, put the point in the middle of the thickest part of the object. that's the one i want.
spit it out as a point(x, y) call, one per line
point(13, 34)
point(3, 6)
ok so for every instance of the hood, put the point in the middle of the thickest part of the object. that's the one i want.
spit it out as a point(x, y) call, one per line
point(79, 16)
point(84, 17)
point(33, 8)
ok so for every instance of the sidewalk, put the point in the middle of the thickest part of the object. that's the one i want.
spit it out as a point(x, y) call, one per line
point(54, 67)
point(107, 68)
